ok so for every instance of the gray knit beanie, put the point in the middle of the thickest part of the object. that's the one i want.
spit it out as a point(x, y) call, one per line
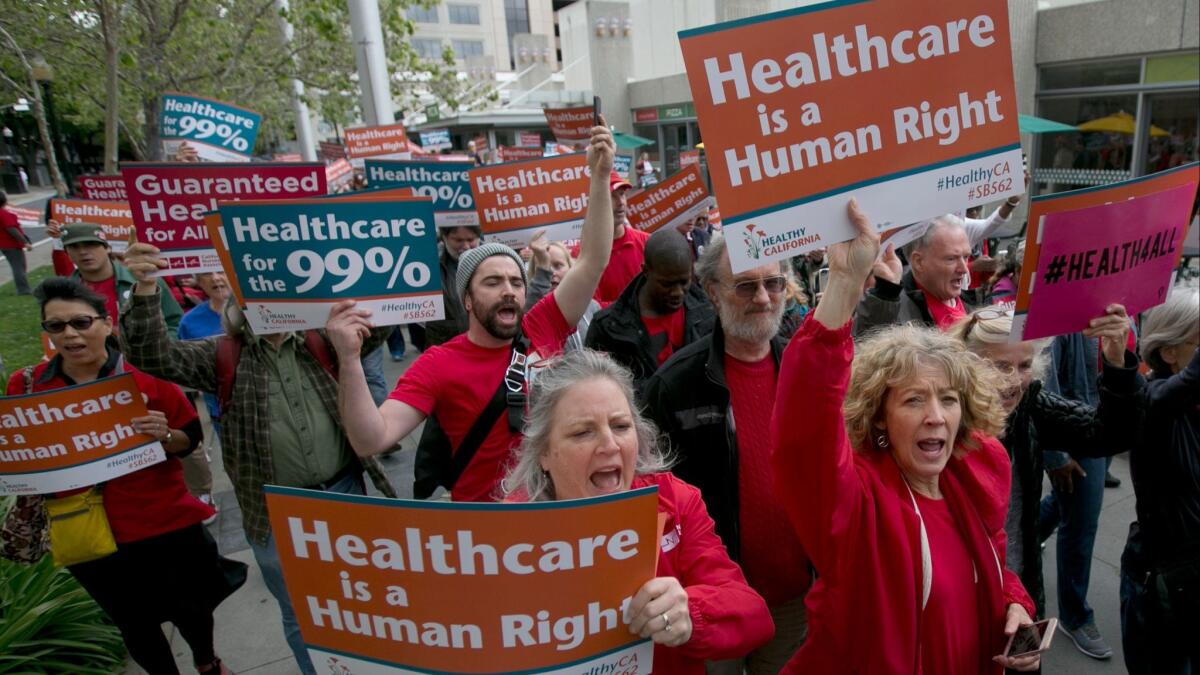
point(471, 259)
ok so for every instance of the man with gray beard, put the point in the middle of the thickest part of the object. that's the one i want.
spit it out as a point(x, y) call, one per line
point(713, 400)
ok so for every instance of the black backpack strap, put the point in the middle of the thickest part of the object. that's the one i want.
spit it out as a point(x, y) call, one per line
point(514, 385)
point(438, 463)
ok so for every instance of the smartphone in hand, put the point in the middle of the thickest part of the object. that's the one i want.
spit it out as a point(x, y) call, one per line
point(595, 111)
point(1031, 639)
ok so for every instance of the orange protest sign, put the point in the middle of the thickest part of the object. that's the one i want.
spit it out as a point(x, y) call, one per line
point(388, 140)
point(908, 105)
point(25, 217)
point(116, 218)
point(571, 126)
point(677, 199)
point(515, 199)
point(73, 437)
point(1117, 262)
point(466, 587)
point(48, 348)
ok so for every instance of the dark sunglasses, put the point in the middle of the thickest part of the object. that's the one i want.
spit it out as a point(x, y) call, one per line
point(748, 289)
point(79, 323)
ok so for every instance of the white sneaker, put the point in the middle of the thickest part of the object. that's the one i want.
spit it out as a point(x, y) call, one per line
point(207, 499)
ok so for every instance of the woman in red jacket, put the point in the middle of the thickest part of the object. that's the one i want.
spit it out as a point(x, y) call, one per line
point(899, 491)
point(166, 566)
point(585, 438)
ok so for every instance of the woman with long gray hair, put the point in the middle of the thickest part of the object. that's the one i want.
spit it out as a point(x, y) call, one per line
point(1160, 569)
point(585, 438)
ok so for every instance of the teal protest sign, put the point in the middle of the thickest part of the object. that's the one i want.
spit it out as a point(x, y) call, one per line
point(439, 139)
point(289, 261)
point(219, 131)
point(446, 183)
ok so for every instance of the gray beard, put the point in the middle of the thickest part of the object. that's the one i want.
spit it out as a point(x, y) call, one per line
point(750, 329)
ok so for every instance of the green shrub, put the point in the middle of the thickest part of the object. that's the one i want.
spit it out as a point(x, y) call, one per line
point(49, 623)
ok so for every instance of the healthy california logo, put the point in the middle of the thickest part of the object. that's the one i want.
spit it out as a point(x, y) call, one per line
point(753, 238)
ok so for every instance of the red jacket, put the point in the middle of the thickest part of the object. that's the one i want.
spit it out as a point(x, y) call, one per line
point(856, 519)
point(729, 619)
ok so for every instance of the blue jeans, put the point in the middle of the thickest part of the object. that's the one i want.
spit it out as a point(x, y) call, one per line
point(373, 371)
point(268, 563)
point(1077, 516)
point(395, 342)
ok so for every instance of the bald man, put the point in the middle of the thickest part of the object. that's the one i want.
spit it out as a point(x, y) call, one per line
point(659, 312)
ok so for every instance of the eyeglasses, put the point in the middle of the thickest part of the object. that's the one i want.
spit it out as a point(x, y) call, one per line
point(749, 289)
point(79, 323)
point(988, 314)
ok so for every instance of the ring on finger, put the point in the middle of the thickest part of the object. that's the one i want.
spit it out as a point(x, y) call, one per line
point(666, 621)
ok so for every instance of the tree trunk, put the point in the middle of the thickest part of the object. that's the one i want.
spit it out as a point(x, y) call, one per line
point(39, 114)
point(110, 26)
point(153, 143)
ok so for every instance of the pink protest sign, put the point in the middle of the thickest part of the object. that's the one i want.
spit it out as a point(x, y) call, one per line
point(1120, 252)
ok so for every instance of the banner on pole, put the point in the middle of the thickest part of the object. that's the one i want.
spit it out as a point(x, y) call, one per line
point(289, 262)
point(169, 202)
point(790, 135)
point(438, 139)
point(446, 183)
point(73, 437)
point(103, 188)
point(1088, 248)
point(516, 199)
point(220, 131)
point(388, 141)
point(116, 218)
point(675, 200)
point(400, 586)
point(571, 126)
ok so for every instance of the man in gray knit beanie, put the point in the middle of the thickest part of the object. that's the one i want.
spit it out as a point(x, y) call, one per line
point(454, 383)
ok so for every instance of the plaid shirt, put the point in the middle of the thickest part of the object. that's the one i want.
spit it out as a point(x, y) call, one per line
point(245, 441)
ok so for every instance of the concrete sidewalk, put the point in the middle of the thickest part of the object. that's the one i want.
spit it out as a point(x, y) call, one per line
point(249, 631)
point(249, 637)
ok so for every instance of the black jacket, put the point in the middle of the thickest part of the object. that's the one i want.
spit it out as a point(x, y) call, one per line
point(894, 304)
point(619, 331)
point(1045, 419)
point(1165, 464)
point(688, 400)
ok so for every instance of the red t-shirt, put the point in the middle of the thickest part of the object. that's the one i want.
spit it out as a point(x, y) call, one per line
point(772, 556)
point(9, 219)
point(944, 315)
point(149, 501)
point(628, 251)
point(456, 380)
point(665, 332)
point(950, 627)
point(108, 289)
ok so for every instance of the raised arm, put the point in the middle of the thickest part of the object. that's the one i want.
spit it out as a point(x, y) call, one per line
point(370, 429)
point(574, 292)
point(816, 466)
point(1110, 427)
point(146, 340)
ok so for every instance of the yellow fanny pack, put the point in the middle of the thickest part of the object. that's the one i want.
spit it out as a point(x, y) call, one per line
point(79, 529)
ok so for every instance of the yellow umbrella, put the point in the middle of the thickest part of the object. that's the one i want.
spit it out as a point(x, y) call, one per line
point(1119, 123)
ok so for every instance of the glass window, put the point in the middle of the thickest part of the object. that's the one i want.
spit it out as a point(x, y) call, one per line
point(467, 48)
point(516, 20)
point(1095, 74)
point(1174, 125)
point(1100, 155)
point(428, 48)
point(1175, 68)
point(422, 15)
point(464, 14)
